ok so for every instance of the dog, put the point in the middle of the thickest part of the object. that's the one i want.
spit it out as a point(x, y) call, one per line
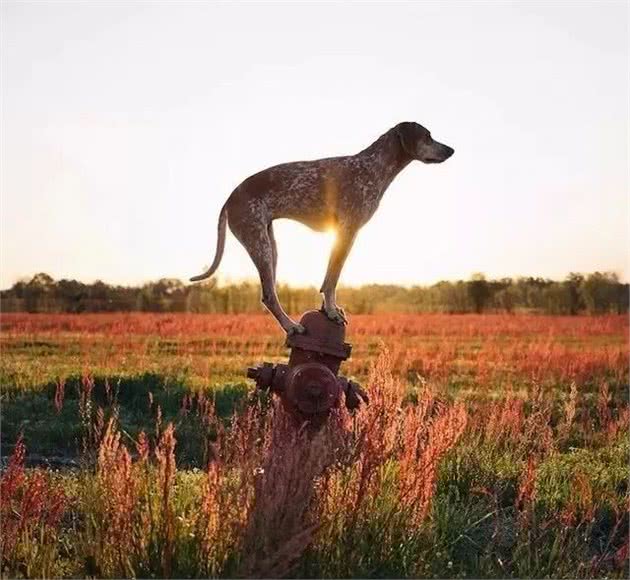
point(339, 193)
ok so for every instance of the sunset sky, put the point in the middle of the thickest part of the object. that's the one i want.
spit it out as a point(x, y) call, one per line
point(125, 126)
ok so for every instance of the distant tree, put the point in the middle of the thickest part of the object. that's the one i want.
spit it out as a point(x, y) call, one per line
point(451, 297)
point(39, 294)
point(572, 283)
point(622, 298)
point(166, 295)
point(479, 292)
point(507, 298)
point(595, 293)
point(599, 292)
point(72, 296)
point(557, 298)
point(99, 297)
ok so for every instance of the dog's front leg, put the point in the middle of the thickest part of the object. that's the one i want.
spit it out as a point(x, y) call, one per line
point(340, 251)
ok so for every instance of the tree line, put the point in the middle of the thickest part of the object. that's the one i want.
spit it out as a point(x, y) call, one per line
point(595, 293)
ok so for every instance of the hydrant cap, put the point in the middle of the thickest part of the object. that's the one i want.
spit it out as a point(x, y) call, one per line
point(322, 335)
point(313, 388)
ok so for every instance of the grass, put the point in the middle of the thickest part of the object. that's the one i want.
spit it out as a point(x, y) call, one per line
point(493, 446)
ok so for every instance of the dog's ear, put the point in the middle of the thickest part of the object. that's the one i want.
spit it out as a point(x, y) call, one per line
point(406, 134)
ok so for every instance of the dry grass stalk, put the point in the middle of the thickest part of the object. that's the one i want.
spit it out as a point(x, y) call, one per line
point(425, 443)
point(570, 407)
point(31, 508)
point(118, 492)
point(165, 455)
point(278, 528)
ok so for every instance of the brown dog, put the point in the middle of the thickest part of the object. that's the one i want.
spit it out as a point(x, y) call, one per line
point(339, 192)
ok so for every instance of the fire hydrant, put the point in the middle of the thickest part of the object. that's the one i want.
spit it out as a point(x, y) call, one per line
point(309, 386)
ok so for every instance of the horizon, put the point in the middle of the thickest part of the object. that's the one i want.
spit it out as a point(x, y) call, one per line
point(222, 282)
point(153, 114)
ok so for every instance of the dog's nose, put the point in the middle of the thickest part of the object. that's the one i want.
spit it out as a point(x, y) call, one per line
point(448, 151)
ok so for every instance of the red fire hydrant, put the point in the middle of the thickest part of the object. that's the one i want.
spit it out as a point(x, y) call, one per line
point(309, 386)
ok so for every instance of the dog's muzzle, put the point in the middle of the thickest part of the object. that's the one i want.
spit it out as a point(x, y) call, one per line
point(439, 154)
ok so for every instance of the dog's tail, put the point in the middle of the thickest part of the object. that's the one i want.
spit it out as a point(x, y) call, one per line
point(220, 246)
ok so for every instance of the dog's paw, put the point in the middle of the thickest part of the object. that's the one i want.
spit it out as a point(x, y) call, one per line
point(336, 314)
point(296, 328)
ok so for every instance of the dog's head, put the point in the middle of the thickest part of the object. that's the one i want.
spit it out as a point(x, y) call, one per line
point(417, 142)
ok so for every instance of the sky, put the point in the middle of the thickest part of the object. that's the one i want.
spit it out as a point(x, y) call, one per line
point(126, 125)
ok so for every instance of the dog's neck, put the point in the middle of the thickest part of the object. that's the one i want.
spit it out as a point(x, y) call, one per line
point(385, 159)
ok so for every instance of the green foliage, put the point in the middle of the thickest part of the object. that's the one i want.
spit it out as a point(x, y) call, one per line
point(136, 401)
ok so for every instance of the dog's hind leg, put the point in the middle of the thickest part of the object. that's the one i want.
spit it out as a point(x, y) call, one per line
point(274, 252)
point(256, 240)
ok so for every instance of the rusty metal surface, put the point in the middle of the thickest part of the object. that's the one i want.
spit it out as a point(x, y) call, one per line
point(312, 388)
point(309, 386)
point(322, 336)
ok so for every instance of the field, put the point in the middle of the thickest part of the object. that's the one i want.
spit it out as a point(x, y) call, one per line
point(493, 446)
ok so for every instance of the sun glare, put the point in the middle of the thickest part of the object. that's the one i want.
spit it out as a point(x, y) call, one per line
point(331, 235)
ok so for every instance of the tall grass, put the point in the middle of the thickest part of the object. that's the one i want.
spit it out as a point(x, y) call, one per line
point(530, 481)
point(270, 493)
